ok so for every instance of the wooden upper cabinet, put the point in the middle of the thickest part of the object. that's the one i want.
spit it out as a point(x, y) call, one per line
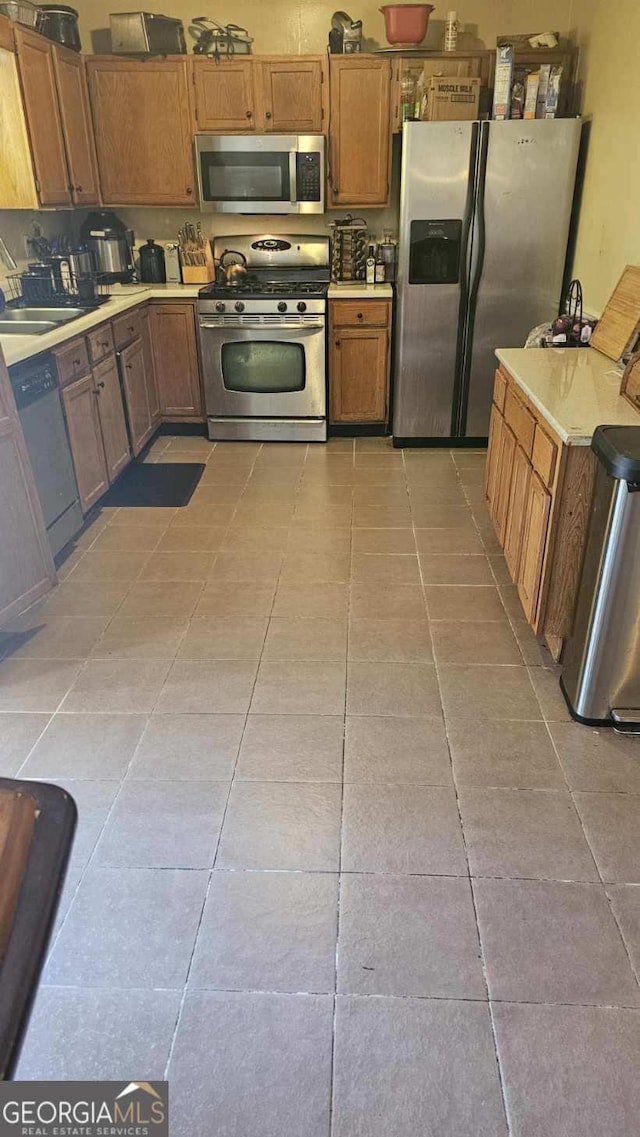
point(37, 77)
point(290, 95)
point(359, 136)
point(142, 123)
point(26, 565)
point(17, 181)
point(173, 339)
point(77, 127)
point(224, 94)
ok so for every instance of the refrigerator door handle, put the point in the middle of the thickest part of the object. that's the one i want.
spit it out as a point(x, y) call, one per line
point(466, 254)
point(475, 271)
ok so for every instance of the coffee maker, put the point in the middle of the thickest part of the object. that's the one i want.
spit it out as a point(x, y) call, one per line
point(111, 244)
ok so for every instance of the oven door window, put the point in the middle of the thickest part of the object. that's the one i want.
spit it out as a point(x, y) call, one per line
point(246, 176)
point(264, 367)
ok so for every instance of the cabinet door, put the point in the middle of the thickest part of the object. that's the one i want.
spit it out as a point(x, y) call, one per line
point(26, 565)
point(135, 392)
point(291, 95)
point(142, 130)
point(17, 182)
point(173, 340)
point(534, 541)
point(516, 512)
point(153, 400)
point(73, 99)
point(360, 132)
point(111, 413)
point(83, 424)
point(493, 453)
point(506, 455)
point(35, 61)
point(224, 94)
point(358, 372)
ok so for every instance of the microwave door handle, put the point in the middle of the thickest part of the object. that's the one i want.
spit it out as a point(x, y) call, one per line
point(293, 177)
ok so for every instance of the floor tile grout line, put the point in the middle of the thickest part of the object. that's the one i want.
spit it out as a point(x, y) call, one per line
point(341, 838)
point(483, 965)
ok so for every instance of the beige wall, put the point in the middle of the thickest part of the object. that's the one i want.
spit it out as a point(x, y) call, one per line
point(609, 227)
point(291, 26)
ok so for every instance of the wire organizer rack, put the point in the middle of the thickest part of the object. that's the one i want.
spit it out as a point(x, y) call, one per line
point(41, 287)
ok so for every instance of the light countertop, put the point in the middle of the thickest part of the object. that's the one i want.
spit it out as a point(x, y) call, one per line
point(126, 296)
point(575, 389)
point(352, 290)
point(123, 297)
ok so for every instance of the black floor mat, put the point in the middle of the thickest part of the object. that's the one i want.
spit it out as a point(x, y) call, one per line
point(168, 484)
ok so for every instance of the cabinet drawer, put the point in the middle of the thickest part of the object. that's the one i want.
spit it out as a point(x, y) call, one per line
point(544, 456)
point(100, 343)
point(520, 420)
point(359, 313)
point(126, 329)
point(72, 361)
point(500, 390)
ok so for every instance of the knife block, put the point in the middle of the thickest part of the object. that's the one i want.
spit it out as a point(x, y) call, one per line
point(202, 273)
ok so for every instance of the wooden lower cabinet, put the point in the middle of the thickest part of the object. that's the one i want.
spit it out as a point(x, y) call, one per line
point(111, 414)
point(153, 401)
point(83, 424)
point(134, 384)
point(518, 498)
point(534, 540)
point(26, 564)
point(359, 366)
point(538, 493)
point(175, 356)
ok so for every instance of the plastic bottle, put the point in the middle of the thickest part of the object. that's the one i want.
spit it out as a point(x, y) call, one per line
point(407, 96)
point(451, 32)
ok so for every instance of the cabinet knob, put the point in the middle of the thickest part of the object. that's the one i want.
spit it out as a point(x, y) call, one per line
point(268, 114)
point(360, 317)
point(189, 191)
point(76, 362)
point(99, 386)
point(128, 366)
point(337, 343)
point(78, 189)
point(249, 114)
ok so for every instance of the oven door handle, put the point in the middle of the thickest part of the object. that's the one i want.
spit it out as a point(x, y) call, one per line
point(262, 327)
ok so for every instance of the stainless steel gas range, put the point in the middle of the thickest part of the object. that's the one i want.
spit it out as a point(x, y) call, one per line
point(262, 340)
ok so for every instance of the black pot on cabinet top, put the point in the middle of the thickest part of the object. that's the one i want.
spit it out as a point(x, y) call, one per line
point(59, 23)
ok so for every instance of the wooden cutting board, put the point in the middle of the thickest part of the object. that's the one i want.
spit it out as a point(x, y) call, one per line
point(619, 324)
point(17, 818)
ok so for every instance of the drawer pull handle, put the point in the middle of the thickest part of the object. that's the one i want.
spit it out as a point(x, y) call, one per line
point(360, 316)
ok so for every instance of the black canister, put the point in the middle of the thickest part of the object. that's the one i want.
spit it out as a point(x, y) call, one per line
point(59, 23)
point(152, 266)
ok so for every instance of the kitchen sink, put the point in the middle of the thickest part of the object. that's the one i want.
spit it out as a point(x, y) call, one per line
point(56, 315)
point(26, 327)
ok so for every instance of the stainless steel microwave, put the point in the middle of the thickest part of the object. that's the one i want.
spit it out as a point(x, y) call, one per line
point(271, 173)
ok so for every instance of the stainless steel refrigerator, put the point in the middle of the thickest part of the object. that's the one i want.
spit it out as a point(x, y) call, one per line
point(485, 209)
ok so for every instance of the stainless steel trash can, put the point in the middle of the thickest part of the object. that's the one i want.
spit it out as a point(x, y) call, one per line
point(601, 661)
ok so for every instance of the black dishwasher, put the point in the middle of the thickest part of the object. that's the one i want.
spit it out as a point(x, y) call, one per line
point(35, 389)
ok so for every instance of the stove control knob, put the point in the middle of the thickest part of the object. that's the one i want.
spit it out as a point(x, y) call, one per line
point(239, 306)
point(302, 307)
point(220, 307)
point(282, 307)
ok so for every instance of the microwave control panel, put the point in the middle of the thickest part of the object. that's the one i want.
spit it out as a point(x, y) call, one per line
point(308, 177)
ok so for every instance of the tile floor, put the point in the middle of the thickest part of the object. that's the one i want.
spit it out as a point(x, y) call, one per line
point(344, 866)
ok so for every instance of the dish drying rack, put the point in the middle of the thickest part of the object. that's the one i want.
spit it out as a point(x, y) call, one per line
point(26, 289)
point(196, 256)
